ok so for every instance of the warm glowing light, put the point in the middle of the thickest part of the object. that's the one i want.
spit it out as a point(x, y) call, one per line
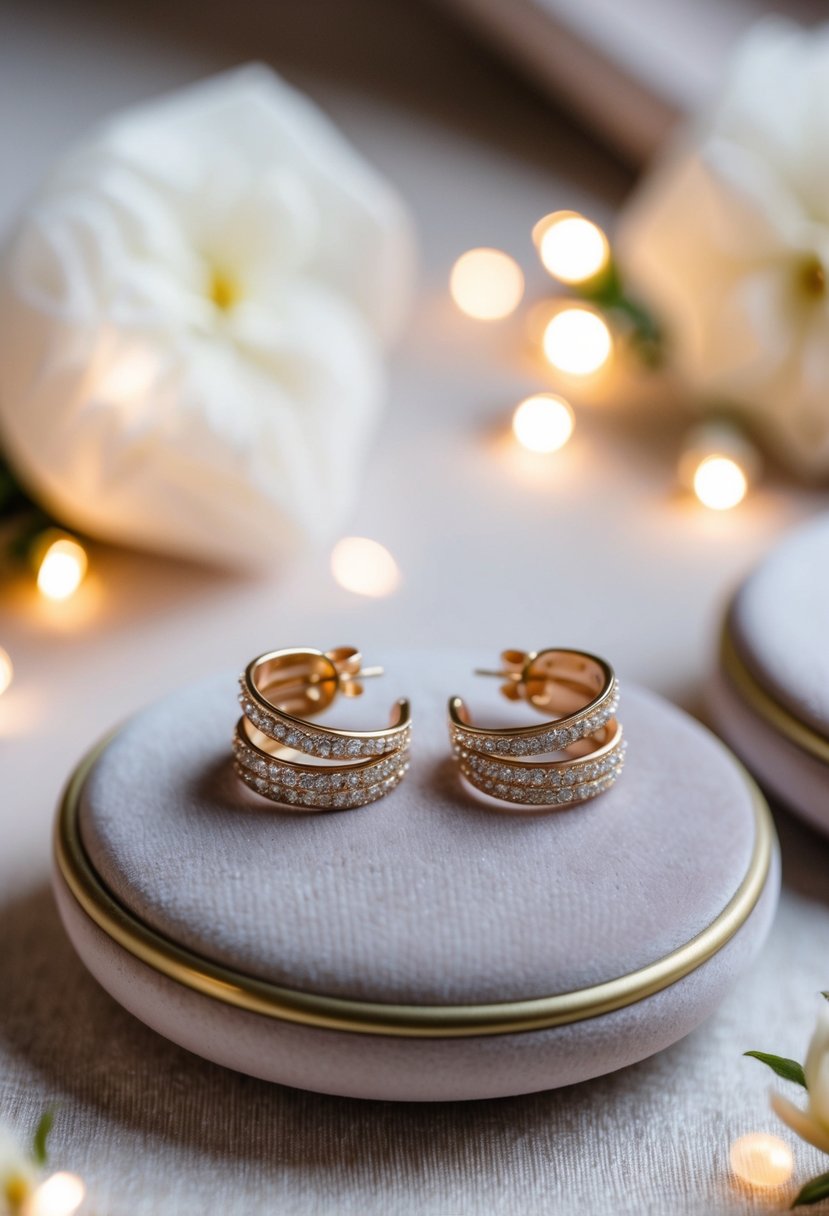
point(578, 341)
point(62, 569)
point(720, 483)
point(762, 1160)
point(6, 671)
point(543, 422)
point(572, 249)
point(719, 464)
point(364, 566)
point(60, 1195)
point(486, 284)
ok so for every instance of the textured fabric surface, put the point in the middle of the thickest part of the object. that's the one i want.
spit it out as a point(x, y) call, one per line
point(430, 895)
point(779, 622)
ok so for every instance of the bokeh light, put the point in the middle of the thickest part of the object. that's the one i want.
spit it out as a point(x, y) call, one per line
point(762, 1160)
point(62, 569)
point(572, 249)
point(364, 566)
point(720, 483)
point(577, 341)
point(486, 284)
point(60, 1195)
point(543, 423)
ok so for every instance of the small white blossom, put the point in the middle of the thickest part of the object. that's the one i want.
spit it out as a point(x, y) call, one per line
point(18, 1175)
point(811, 1124)
point(193, 313)
point(728, 239)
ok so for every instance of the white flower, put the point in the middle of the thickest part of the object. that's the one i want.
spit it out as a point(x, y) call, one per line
point(729, 241)
point(192, 317)
point(811, 1124)
point(18, 1175)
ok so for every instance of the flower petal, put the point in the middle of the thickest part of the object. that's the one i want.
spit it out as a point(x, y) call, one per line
point(218, 138)
point(816, 1067)
point(801, 1122)
point(818, 1045)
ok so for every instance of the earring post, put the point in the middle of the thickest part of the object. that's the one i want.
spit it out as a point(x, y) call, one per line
point(367, 673)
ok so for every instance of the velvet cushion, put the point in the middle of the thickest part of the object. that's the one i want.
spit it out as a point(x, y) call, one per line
point(433, 895)
point(429, 895)
point(777, 624)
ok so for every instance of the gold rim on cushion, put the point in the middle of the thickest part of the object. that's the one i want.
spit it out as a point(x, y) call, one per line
point(765, 705)
point(374, 1018)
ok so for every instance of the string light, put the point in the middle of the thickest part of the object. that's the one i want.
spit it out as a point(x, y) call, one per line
point(577, 341)
point(486, 284)
point(543, 423)
point(60, 1195)
point(6, 670)
point(720, 483)
point(62, 569)
point(364, 566)
point(572, 248)
point(762, 1160)
point(718, 465)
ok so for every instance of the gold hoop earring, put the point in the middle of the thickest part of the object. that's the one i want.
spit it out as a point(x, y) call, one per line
point(579, 694)
point(279, 691)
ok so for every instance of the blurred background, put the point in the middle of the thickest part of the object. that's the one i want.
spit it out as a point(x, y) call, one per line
point(486, 118)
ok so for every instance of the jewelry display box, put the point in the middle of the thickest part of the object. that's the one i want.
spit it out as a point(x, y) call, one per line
point(769, 697)
point(434, 945)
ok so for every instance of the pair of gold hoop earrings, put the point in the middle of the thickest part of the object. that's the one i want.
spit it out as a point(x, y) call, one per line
point(580, 743)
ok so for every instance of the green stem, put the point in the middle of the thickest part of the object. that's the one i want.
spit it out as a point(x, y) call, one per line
point(607, 291)
point(41, 1135)
point(22, 521)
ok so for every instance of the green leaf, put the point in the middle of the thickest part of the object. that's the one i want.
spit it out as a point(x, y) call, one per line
point(41, 1136)
point(22, 536)
point(603, 289)
point(12, 495)
point(813, 1191)
point(789, 1070)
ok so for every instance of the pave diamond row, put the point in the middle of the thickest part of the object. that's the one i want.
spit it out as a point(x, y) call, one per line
point(541, 739)
point(314, 785)
point(327, 743)
point(541, 797)
point(542, 784)
point(345, 800)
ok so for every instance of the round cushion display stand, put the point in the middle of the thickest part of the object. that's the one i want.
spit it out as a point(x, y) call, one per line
point(435, 945)
point(769, 696)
